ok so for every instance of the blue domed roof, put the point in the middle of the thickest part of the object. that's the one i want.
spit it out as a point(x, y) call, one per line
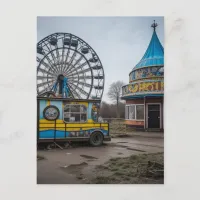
point(154, 55)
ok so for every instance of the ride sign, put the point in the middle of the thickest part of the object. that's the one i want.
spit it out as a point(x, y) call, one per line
point(143, 87)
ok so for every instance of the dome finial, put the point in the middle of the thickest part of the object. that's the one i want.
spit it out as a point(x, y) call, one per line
point(154, 25)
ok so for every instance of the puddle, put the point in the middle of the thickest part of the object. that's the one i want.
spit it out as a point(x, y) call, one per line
point(120, 153)
point(74, 168)
point(118, 145)
point(120, 148)
point(77, 165)
point(88, 157)
point(135, 149)
point(122, 142)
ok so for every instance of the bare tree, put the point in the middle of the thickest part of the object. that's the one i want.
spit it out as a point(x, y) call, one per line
point(109, 110)
point(114, 93)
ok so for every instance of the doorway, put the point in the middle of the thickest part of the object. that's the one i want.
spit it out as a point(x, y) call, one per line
point(154, 116)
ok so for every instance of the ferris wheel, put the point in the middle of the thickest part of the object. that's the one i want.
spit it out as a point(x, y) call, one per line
point(68, 67)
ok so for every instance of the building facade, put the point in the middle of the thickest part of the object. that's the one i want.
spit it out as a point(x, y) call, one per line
point(144, 95)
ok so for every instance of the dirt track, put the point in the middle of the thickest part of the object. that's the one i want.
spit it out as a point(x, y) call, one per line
point(77, 165)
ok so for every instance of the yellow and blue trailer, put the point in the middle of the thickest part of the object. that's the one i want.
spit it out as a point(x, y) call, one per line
point(64, 120)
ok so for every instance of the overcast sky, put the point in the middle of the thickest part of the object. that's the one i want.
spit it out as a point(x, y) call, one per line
point(120, 42)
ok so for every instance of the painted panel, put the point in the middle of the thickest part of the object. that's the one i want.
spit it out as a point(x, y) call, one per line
point(147, 72)
point(60, 134)
point(89, 110)
point(134, 122)
point(48, 129)
point(94, 111)
point(47, 134)
point(58, 104)
point(43, 105)
point(146, 87)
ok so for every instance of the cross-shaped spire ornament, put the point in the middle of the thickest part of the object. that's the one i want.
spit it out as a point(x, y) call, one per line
point(154, 25)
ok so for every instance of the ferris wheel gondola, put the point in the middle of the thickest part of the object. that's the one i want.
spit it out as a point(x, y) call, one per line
point(68, 67)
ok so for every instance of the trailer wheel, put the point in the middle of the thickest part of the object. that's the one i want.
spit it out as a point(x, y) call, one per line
point(96, 139)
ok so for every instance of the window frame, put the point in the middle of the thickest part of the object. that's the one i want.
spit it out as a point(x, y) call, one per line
point(128, 105)
point(86, 113)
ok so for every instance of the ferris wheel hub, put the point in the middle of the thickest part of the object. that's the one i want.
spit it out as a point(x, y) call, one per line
point(60, 77)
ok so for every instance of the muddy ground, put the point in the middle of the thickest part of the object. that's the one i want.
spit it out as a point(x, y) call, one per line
point(114, 162)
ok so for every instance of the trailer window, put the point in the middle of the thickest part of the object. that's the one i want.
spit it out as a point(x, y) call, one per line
point(75, 113)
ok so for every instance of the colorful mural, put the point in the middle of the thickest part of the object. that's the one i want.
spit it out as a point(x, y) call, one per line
point(58, 134)
point(143, 87)
point(146, 72)
point(51, 113)
point(58, 128)
point(94, 111)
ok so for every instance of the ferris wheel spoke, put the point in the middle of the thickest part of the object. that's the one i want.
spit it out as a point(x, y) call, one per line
point(57, 53)
point(70, 62)
point(84, 84)
point(70, 90)
point(44, 90)
point(73, 84)
point(45, 64)
point(46, 72)
point(45, 77)
point(68, 72)
point(79, 77)
point(53, 56)
point(73, 66)
point(85, 77)
point(66, 59)
point(81, 90)
point(84, 71)
point(68, 51)
point(48, 45)
point(58, 58)
point(72, 79)
point(44, 83)
point(80, 71)
point(62, 60)
point(80, 66)
point(74, 91)
point(53, 66)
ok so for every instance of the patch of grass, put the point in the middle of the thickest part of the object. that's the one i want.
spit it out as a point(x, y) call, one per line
point(113, 169)
point(102, 167)
point(126, 178)
point(125, 166)
point(120, 173)
point(124, 170)
point(114, 159)
point(103, 180)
